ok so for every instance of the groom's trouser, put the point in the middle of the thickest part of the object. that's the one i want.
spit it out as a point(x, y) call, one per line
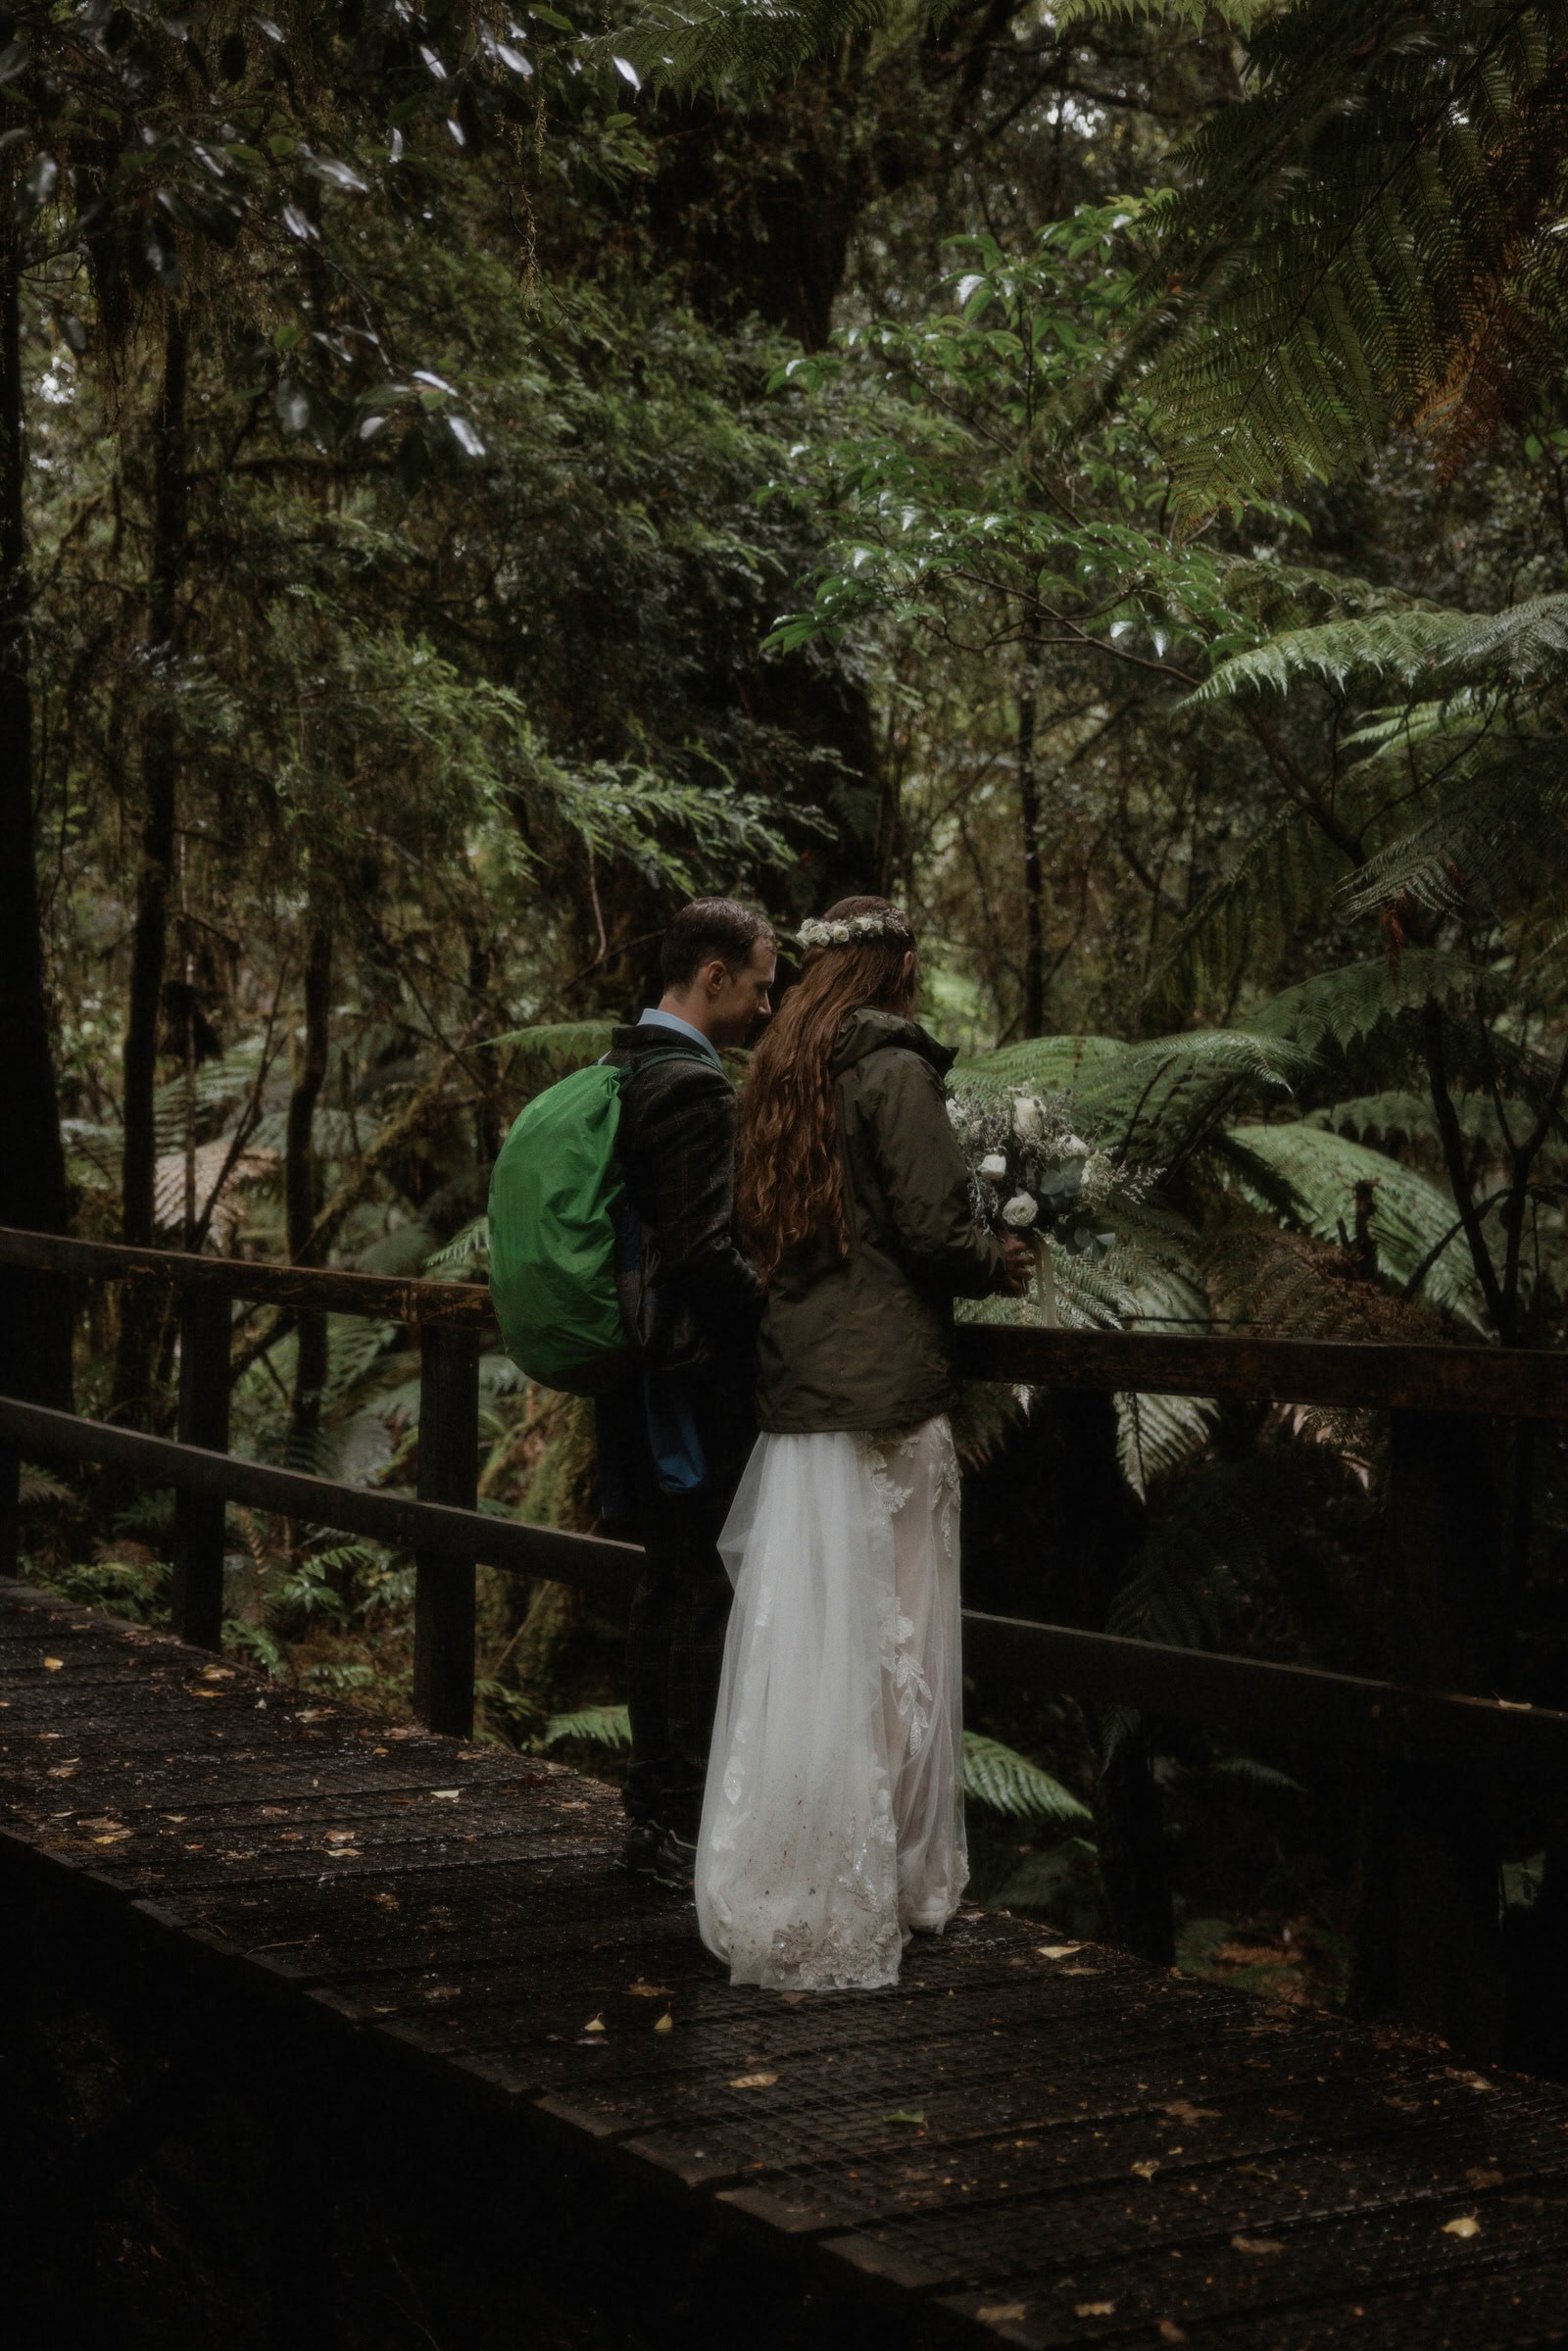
point(680, 1611)
point(674, 1654)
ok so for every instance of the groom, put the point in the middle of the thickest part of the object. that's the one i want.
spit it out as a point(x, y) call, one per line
point(674, 1437)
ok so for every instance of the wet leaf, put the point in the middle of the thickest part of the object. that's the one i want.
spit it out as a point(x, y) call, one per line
point(595, 2024)
point(52, 1665)
point(1480, 2178)
point(1170, 2332)
point(900, 2113)
point(665, 2024)
point(1058, 1950)
point(647, 1991)
point(1181, 2110)
point(1465, 2225)
point(1001, 2314)
point(754, 2081)
point(1146, 2170)
point(1094, 2310)
point(1256, 2245)
point(445, 1795)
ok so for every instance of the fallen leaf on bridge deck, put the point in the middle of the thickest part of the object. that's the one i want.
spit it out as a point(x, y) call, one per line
point(754, 2081)
point(1181, 2110)
point(665, 2024)
point(1256, 2245)
point(914, 2114)
point(595, 2024)
point(52, 1665)
point(1058, 1950)
point(1170, 2332)
point(1480, 2178)
point(999, 2313)
point(1465, 2225)
point(647, 1991)
point(445, 1795)
point(1146, 2170)
point(1094, 2310)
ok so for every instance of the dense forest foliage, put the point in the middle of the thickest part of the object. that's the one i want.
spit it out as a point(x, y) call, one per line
point(471, 477)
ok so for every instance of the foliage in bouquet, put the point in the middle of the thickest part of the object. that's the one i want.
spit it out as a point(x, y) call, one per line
point(1031, 1174)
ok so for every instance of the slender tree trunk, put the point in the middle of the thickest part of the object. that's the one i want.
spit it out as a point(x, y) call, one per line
point(300, 1188)
point(1034, 940)
point(160, 768)
point(34, 1330)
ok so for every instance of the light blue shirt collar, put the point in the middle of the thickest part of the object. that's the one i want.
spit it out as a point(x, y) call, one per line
point(652, 1020)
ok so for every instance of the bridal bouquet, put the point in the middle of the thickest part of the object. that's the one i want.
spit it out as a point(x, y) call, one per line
point(1029, 1175)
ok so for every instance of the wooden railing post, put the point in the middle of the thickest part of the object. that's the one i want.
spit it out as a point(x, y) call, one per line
point(1431, 1940)
point(197, 1599)
point(448, 1472)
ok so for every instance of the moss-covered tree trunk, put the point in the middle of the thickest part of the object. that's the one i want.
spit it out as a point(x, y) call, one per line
point(35, 1334)
point(160, 776)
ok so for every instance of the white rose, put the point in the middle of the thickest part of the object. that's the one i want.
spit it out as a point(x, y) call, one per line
point(1028, 1118)
point(1020, 1210)
point(841, 934)
point(993, 1167)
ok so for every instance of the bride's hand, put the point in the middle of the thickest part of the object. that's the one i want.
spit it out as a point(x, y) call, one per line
point(1018, 1264)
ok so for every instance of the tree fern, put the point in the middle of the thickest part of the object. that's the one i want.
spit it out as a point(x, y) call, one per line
point(1364, 240)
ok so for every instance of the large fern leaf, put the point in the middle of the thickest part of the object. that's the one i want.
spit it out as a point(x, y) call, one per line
point(1005, 1781)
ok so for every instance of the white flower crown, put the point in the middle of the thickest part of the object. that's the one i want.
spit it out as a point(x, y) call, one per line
point(854, 928)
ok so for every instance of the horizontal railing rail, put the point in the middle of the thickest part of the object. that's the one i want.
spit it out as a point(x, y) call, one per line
point(1512, 1383)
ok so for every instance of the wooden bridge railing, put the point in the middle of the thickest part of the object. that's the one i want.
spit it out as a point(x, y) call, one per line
point(1451, 1749)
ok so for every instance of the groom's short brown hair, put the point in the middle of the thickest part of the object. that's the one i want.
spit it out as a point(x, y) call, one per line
point(710, 927)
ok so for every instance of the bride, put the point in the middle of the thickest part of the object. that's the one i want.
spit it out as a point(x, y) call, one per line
point(833, 1819)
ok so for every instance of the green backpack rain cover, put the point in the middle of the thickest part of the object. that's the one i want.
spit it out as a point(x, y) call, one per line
point(555, 1194)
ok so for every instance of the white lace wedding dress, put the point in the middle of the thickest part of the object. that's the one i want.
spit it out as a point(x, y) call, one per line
point(833, 1820)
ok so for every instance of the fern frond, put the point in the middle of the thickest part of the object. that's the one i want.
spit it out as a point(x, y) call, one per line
point(1253, 1774)
point(556, 1048)
point(1343, 1009)
point(1153, 1101)
point(598, 1725)
point(1005, 1782)
point(1310, 1177)
point(42, 1485)
point(1158, 1435)
point(1497, 830)
point(464, 1251)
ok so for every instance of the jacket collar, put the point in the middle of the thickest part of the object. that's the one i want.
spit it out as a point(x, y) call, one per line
point(869, 1031)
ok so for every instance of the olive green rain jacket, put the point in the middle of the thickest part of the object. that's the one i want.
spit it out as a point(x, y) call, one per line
point(865, 1341)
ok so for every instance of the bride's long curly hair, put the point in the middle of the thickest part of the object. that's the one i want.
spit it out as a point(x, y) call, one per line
point(788, 1186)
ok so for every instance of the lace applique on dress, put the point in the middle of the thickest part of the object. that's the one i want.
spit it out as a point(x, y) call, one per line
point(874, 1454)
